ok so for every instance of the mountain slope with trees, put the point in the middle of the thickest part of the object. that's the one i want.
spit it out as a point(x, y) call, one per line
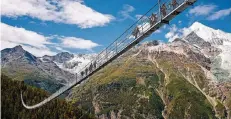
point(12, 107)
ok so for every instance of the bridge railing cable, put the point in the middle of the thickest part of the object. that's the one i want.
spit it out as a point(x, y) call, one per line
point(127, 37)
point(121, 42)
point(161, 13)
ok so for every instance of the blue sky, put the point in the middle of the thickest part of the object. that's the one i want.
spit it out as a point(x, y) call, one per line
point(88, 26)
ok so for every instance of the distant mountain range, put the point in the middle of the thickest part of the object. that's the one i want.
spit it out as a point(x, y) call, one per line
point(22, 65)
point(69, 62)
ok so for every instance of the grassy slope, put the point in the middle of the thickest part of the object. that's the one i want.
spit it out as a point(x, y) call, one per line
point(116, 87)
point(33, 78)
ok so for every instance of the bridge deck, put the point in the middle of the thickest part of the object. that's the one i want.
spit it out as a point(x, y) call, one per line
point(123, 43)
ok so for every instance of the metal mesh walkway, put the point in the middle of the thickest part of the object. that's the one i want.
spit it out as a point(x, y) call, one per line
point(161, 13)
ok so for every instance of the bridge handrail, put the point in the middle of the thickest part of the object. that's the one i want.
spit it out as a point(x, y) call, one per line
point(124, 46)
point(118, 38)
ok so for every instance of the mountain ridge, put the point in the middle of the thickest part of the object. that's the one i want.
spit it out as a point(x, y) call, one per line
point(154, 76)
point(19, 64)
point(209, 34)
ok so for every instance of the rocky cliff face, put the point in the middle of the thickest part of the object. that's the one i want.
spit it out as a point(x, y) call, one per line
point(155, 80)
point(216, 45)
point(21, 65)
point(70, 62)
point(60, 57)
point(47, 72)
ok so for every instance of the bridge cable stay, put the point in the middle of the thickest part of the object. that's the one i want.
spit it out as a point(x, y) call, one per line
point(161, 13)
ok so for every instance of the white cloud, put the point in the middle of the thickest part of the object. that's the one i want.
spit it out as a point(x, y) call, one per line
point(79, 43)
point(39, 51)
point(38, 44)
point(31, 41)
point(138, 16)
point(34, 50)
point(158, 31)
point(219, 14)
point(165, 26)
point(173, 33)
point(21, 36)
point(61, 49)
point(125, 12)
point(61, 11)
point(202, 10)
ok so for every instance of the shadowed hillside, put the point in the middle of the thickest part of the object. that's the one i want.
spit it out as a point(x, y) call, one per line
point(12, 107)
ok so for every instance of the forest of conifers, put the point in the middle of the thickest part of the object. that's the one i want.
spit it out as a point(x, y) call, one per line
point(12, 107)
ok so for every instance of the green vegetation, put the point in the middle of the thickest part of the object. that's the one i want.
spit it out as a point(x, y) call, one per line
point(220, 109)
point(38, 80)
point(127, 86)
point(34, 78)
point(12, 107)
point(139, 89)
point(185, 98)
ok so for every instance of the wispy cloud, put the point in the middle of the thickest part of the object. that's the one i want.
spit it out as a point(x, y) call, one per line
point(61, 11)
point(61, 49)
point(126, 11)
point(138, 16)
point(202, 10)
point(220, 14)
point(78, 43)
point(31, 41)
point(173, 33)
point(158, 31)
point(38, 44)
point(176, 32)
point(210, 12)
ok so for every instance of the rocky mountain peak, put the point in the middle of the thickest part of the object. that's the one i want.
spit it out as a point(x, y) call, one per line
point(198, 25)
point(194, 39)
point(63, 56)
point(209, 34)
point(212, 43)
point(18, 48)
point(16, 53)
point(59, 58)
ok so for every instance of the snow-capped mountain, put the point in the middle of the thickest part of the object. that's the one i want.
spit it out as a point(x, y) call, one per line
point(75, 64)
point(201, 39)
point(22, 65)
point(60, 57)
point(215, 37)
point(69, 62)
point(215, 44)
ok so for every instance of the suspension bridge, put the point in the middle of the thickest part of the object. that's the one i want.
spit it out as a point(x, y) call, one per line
point(161, 13)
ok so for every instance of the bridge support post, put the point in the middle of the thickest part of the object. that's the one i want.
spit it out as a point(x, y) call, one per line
point(106, 54)
point(159, 10)
point(116, 46)
point(76, 76)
